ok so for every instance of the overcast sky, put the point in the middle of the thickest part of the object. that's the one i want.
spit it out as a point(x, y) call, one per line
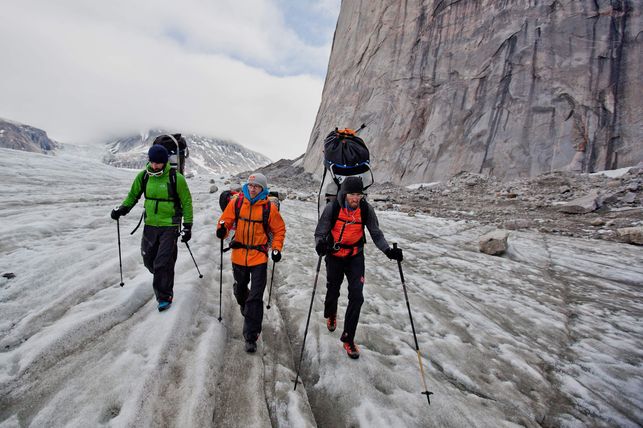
point(250, 70)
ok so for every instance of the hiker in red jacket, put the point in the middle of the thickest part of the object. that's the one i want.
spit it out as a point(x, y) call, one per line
point(340, 237)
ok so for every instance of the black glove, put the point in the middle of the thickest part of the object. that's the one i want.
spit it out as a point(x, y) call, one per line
point(119, 211)
point(186, 233)
point(322, 247)
point(221, 231)
point(394, 254)
point(276, 256)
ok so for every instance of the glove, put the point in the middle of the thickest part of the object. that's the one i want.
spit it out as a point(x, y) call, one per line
point(221, 231)
point(186, 232)
point(322, 247)
point(276, 256)
point(394, 254)
point(119, 211)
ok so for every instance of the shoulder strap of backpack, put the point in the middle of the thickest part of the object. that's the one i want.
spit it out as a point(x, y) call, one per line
point(335, 213)
point(174, 194)
point(364, 210)
point(143, 185)
point(266, 217)
point(265, 220)
point(237, 207)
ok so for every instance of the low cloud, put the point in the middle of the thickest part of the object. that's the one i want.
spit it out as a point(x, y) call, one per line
point(87, 71)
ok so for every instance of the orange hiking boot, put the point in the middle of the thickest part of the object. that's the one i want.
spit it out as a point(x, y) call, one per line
point(331, 322)
point(351, 349)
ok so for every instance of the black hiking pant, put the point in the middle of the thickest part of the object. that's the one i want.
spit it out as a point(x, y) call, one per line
point(159, 251)
point(251, 301)
point(353, 269)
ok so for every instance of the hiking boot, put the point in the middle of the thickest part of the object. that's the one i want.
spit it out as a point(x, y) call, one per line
point(251, 346)
point(163, 305)
point(331, 322)
point(351, 349)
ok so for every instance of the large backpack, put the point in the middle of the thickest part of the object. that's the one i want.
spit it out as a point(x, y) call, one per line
point(345, 155)
point(177, 147)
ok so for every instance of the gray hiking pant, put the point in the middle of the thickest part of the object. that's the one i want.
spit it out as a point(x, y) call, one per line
point(159, 251)
point(251, 301)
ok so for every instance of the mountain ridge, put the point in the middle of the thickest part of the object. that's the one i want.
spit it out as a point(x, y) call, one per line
point(18, 136)
point(207, 155)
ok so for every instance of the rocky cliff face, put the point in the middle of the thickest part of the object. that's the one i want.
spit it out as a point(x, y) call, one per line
point(499, 87)
point(18, 136)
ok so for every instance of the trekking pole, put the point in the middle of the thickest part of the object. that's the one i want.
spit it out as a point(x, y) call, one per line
point(120, 260)
point(417, 347)
point(197, 267)
point(220, 280)
point(301, 355)
point(272, 277)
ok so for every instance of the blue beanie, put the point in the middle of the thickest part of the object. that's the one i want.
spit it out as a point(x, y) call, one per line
point(158, 154)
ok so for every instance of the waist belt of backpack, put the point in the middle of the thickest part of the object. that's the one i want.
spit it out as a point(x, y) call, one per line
point(175, 219)
point(234, 245)
point(355, 249)
point(156, 207)
point(357, 245)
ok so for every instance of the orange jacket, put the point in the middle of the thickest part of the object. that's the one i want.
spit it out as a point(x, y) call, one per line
point(252, 232)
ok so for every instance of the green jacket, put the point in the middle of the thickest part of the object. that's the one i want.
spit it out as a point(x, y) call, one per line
point(159, 206)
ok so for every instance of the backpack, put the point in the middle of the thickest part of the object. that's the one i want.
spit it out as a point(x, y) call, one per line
point(273, 198)
point(174, 197)
point(345, 155)
point(225, 197)
point(177, 147)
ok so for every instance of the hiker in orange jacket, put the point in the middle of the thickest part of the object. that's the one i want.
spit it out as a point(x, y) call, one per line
point(255, 218)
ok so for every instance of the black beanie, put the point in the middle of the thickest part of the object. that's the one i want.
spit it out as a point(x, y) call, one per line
point(158, 154)
point(352, 185)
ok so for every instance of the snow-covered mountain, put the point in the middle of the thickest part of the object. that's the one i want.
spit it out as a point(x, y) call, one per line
point(18, 136)
point(550, 334)
point(208, 155)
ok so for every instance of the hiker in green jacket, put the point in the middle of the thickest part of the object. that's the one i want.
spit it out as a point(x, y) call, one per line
point(167, 200)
